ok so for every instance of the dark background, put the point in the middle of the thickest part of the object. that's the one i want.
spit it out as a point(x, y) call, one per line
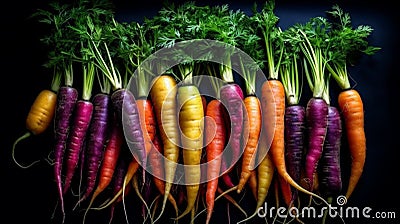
point(29, 195)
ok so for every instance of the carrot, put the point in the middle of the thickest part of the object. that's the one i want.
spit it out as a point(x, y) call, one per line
point(352, 109)
point(148, 124)
point(348, 42)
point(312, 47)
point(329, 176)
point(97, 136)
point(82, 117)
point(39, 118)
point(191, 123)
point(80, 125)
point(215, 137)
point(66, 100)
point(265, 172)
point(126, 108)
point(232, 97)
point(252, 127)
point(163, 94)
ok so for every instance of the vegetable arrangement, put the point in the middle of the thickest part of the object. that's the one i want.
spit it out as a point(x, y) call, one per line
point(147, 121)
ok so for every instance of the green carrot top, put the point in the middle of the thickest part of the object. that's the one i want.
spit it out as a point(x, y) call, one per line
point(267, 21)
point(348, 44)
point(313, 40)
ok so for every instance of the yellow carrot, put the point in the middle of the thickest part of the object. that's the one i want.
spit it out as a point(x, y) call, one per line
point(191, 122)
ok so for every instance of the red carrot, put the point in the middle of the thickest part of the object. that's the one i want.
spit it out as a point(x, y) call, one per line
point(215, 137)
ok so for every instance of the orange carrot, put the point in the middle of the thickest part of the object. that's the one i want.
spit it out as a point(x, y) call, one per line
point(252, 127)
point(351, 105)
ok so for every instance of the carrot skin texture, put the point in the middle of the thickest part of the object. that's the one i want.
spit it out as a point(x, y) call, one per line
point(273, 106)
point(156, 164)
point(252, 127)
point(125, 107)
point(38, 119)
point(216, 138)
point(110, 157)
point(317, 120)
point(352, 109)
point(155, 161)
point(148, 126)
point(80, 125)
point(191, 116)
point(265, 171)
point(97, 136)
point(66, 100)
point(285, 190)
point(41, 112)
point(330, 181)
point(294, 141)
point(147, 121)
point(163, 94)
point(231, 96)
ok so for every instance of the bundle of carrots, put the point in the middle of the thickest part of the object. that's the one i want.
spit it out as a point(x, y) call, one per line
point(149, 117)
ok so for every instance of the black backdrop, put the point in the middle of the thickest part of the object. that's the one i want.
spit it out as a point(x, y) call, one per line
point(30, 195)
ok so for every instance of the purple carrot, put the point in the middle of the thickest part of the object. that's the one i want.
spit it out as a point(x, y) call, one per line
point(295, 116)
point(80, 125)
point(330, 183)
point(67, 97)
point(126, 109)
point(231, 96)
point(97, 136)
point(317, 122)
